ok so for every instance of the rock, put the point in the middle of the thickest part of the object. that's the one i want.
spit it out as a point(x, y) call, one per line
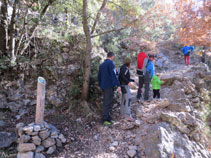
point(112, 148)
point(162, 140)
point(48, 142)
point(37, 128)
point(39, 149)
point(54, 134)
point(179, 107)
point(28, 129)
point(196, 100)
point(174, 121)
point(115, 143)
point(2, 123)
point(36, 140)
point(32, 133)
point(51, 149)
point(39, 155)
point(131, 153)
point(6, 139)
point(25, 155)
point(62, 138)
point(132, 147)
point(14, 107)
point(164, 103)
point(26, 147)
point(58, 142)
point(20, 132)
point(23, 139)
point(44, 134)
point(20, 125)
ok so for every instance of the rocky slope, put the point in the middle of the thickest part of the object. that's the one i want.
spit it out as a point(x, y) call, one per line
point(175, 127)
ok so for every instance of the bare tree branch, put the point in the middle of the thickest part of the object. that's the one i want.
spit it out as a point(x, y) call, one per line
point(44, 10)
point(12, 24)
point(114, 30)
point(98, 16)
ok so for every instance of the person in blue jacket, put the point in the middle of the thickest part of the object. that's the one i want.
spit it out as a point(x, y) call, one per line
point(187, 50)
point(107, 81)
point(148, 76)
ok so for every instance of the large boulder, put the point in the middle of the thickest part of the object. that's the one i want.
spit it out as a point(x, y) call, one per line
point(163, 141)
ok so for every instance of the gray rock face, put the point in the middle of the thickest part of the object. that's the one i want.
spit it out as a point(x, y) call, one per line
point(162, 141)
point(25, 155)
point(6, 139)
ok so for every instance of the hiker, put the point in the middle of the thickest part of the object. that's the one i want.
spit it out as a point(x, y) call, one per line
point(148, 76)
point(125, 82)
point(187, 50)
point(142, 60)
point(108, 81)
point(156, 82)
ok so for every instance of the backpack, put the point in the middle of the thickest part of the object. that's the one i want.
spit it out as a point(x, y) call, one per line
point(142, 61)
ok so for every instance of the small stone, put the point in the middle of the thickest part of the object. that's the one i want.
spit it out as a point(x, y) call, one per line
point(62, 138)
point(131, 153)
point(25, 155)
point(37, 128)
point(133, 147)
point(2, 123)
point(58, 142)
point(51, 149)
point(19, 125)
point(32, 133)
point(54, 134)
point(26, 147)
point(46, 125)
point(20, 131)
point(40, 148)
point(36, 140)
point(115, 143)
point(49, 142)
point(23, 139)
point(44, 134)
point(28, 129)
point(112, 148)
point(39, 155)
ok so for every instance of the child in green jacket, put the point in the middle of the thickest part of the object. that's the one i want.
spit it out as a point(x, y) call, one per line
point(156, 82)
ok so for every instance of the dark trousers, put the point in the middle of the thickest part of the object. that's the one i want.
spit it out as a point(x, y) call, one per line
point(141, 83)
point(156, 93)
point(107, 104)
point(147, 80)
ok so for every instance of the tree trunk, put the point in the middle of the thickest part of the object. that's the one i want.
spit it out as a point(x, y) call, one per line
point(87, 69)
point(3, 19)
point(87, 32)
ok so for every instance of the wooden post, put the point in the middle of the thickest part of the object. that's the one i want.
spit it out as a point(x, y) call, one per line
point(40, 100)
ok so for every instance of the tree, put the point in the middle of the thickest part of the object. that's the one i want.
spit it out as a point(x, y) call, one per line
point(17, 29)
point(87, 32)
point(195, 22)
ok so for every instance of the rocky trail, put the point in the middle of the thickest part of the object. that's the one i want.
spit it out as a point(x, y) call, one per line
point(171, 128)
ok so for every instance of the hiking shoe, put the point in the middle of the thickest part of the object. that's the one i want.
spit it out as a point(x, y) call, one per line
point(112, 121)
point(106, 123)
